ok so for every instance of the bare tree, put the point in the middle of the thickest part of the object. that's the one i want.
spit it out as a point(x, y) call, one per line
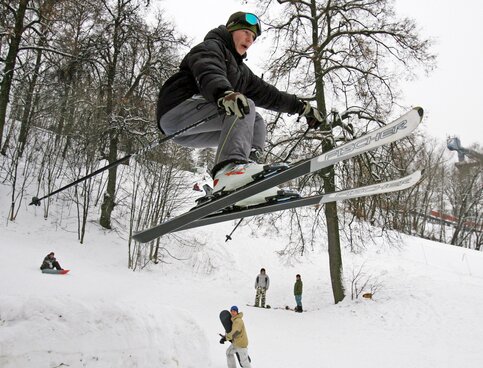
point(158, 189)
point(345, 52)
point(465, 193)
point(20, 175)
point(17, 29)
point(128, 53)
point(445, 206)
point(363, 282)
point(81, 160)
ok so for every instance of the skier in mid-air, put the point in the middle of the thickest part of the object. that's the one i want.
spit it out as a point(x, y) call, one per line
point(213, 76)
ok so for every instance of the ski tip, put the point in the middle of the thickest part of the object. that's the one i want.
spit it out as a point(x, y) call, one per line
point(420, 111)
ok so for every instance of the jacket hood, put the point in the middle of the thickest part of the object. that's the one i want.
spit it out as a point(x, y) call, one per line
point(222, 34)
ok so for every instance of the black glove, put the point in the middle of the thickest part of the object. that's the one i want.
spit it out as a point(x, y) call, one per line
point(314, 119)
point(234, 103)
point(223, 339)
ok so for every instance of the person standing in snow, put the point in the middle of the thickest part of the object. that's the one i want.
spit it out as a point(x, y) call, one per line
point(213, 77)
point(239, 341)
point(297, 291)
point(50, 262)
point(262, 282)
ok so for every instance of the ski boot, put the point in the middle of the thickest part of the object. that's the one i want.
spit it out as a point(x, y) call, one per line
point(234, 176)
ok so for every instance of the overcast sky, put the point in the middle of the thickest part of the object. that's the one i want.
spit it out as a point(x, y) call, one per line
point(452, 95)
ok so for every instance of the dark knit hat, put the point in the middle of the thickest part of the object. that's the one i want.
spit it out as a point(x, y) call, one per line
point(234, 308)
point(242, 20)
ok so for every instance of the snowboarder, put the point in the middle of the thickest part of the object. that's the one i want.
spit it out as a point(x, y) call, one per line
point(297, 291)
point(239, 341)
point(262, 282)
point(50, 262)
point(213, 76)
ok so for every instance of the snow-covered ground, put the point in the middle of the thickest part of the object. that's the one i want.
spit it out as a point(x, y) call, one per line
point(427, 313)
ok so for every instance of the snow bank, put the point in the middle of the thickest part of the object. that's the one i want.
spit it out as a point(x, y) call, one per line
point(63, 330)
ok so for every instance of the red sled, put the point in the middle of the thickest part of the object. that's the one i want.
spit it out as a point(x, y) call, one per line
point(55, 272)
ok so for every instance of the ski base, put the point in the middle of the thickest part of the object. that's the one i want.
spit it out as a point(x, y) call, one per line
point(379, 188)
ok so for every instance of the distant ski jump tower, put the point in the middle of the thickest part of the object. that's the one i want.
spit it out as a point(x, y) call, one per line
point(454, 144)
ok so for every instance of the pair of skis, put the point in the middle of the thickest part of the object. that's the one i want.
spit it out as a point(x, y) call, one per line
point(209, 213)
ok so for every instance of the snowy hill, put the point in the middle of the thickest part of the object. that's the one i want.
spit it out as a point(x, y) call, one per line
point(426, 313)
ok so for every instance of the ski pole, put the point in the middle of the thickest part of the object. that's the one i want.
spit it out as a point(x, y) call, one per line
point(36, 201)
point(228, 237)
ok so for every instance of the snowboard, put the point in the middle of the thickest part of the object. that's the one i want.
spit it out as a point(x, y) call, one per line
point(287, 308)
point(225, 319)
point(265, 307)
point(55, 272)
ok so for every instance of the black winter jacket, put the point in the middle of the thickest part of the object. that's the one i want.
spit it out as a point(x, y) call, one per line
point(48, 262)
point(213, 67)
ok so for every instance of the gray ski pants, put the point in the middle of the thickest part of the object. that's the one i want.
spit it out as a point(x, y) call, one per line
point(234, 137)
point(242, 355)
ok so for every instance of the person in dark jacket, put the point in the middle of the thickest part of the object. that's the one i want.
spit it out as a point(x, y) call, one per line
point(50, 262)
point(297, 291)
point(213, 77)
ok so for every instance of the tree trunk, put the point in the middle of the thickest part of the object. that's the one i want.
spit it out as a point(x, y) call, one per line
point(328, 175)
point(335, 257)
point(109, 196)
point(10, 61)
point(27, 112)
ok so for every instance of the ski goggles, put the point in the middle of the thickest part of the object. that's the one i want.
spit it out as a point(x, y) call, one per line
point(247, 18)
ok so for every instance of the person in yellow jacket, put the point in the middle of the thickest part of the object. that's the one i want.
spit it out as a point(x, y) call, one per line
point(239, 341)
